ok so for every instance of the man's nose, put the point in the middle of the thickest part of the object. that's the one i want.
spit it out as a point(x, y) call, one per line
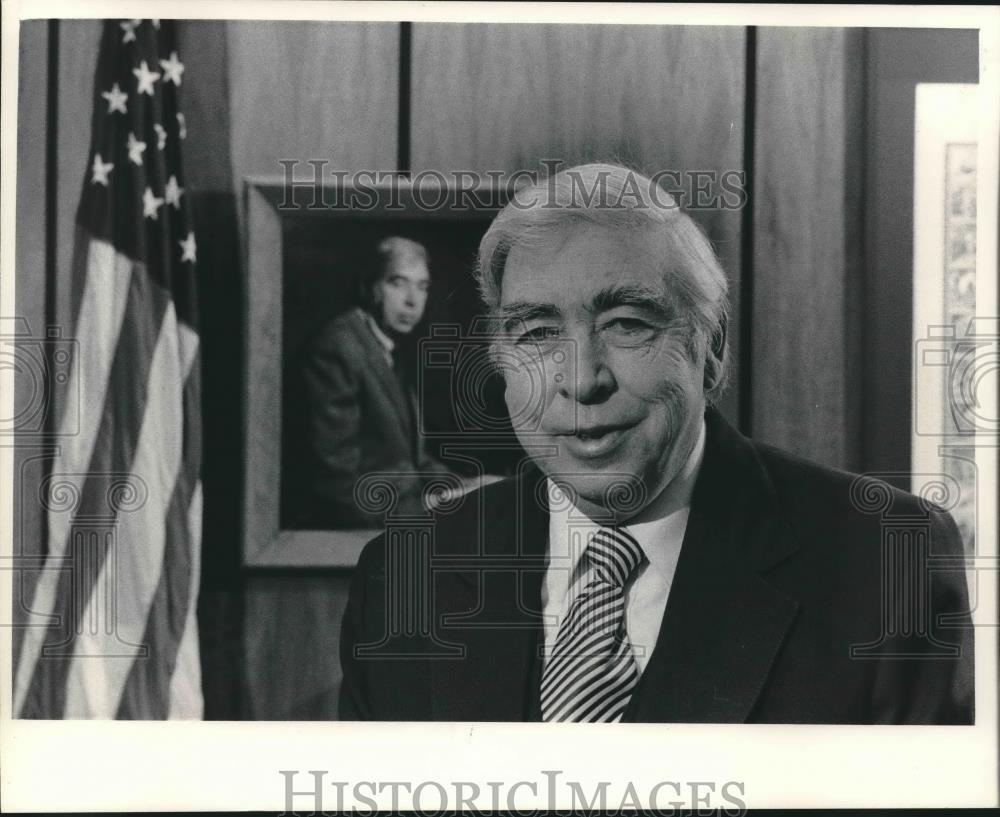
point(582, 373)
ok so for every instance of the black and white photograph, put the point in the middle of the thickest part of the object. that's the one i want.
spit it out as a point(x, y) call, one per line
point(594, 378)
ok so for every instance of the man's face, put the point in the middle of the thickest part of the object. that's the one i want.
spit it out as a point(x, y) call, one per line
point(597, 364)
point(401, 295)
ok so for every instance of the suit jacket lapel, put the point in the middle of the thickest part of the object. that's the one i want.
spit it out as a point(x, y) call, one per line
point(493, 609)
point(724, 623)
point(384, 372)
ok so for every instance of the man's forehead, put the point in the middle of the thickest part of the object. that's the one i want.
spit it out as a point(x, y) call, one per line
point(410, 268)
point(575, 265)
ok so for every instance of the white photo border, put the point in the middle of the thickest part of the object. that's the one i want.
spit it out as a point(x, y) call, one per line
point(87, 766)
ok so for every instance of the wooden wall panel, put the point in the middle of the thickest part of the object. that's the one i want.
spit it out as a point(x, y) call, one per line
point(807, 241)
point(203, 47)
point(303, 91)
point(292, 649)
point(32, 82)
point(79, 41)
point(312, 91)
point(503, 97)
point(29, 301)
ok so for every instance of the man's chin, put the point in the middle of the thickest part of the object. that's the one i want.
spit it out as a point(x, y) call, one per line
point(617, 494)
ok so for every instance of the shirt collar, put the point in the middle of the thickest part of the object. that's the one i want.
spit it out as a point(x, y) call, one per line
point(387, 343)
point(658, 528)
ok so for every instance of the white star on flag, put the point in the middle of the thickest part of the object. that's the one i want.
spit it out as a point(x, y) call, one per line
point(129, 27)
point(189, 248)
point(161, 135)
point(182, 130)
point(135, 149)
point(116, 99)
point(172, 69)
point(173, 192)
point(145, 77)
point(156, 24)
point(150, 204)
point(101, 170)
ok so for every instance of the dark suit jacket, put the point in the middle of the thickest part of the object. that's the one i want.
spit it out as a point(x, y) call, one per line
point(358, 421)
point(781, 575)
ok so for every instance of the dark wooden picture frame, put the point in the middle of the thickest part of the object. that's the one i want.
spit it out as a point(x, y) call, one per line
point(271, 204)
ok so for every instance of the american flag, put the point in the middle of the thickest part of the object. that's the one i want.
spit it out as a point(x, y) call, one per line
point(113, 631)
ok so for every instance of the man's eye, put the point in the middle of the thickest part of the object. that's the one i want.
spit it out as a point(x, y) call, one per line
point(628, 331)
point(539, 333)
point(628, 325)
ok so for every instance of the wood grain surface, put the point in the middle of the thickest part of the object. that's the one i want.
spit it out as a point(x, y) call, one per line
point(79, 41)
point(312, 90)
point(30, 455)
point(205, 101)
point(807, 241)
point(293, 645)
point(262, 395)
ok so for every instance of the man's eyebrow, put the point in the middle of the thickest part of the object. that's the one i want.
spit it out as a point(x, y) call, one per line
point(519, 311)
point(634, 295)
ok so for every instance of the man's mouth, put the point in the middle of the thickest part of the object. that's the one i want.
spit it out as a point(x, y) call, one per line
point(595, 441)
point(594, 433)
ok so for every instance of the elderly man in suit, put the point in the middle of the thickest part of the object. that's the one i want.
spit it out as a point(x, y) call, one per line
point(649, 563)
point(360, 410)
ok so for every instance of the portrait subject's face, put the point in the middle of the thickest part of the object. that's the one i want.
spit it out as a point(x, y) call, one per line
point(402, 296)
point(596, 362)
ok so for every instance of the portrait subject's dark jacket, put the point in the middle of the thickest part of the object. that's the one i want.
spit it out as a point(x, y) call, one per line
point(358, 421)
point(801, 596)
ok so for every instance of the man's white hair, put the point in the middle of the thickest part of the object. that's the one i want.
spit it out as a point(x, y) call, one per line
point(616, 197)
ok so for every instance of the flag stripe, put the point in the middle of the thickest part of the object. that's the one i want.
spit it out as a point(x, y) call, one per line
point(99, 319)
point(113, 454)
point(146, 691)
point(185, 684)
point(98, 326)
point(95, 687)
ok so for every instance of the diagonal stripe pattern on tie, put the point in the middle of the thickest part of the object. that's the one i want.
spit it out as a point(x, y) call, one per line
point(590, 675)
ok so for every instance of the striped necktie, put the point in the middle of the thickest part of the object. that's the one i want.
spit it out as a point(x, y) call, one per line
point(590, 675)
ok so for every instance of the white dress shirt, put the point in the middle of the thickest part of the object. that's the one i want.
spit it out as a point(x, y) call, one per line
point(659, 530)
point(387, 343)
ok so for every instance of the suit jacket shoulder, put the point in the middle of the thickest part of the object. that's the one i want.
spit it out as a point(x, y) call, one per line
point(880, 579)
point(344, 337)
